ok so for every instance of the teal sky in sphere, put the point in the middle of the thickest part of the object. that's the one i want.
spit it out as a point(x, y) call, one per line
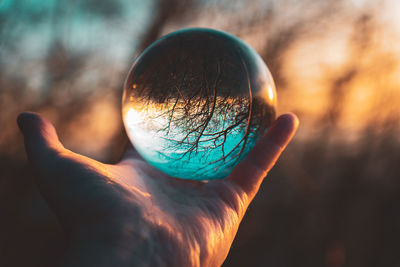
point(212, 159)
point(196, 101)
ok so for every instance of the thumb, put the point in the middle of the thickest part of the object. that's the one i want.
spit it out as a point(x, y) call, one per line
point(41, 141)
point(43, 149)
point(73, 185)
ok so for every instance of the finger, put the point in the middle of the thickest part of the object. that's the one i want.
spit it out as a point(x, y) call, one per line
point(43, 149)
point(73, 185)
point(41, 141)
point(57, 167)
point(251, 171)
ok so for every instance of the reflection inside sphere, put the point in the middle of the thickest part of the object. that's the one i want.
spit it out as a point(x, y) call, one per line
point(196, 101)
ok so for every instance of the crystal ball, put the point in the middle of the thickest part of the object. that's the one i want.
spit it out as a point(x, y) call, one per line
point(196, 101)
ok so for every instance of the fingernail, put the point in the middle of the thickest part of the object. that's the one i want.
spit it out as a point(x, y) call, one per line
point(20, 120)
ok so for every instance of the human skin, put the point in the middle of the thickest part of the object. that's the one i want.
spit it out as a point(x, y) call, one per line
point(131, 214)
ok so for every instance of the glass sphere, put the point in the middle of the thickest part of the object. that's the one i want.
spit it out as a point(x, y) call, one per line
point(196, 101)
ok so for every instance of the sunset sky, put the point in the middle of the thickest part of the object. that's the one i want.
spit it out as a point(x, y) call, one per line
point(103, 40)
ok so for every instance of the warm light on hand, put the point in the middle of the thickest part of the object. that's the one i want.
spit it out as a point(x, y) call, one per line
point(131, 214)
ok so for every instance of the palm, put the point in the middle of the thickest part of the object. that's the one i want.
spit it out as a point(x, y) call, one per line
point(141, 207)
point(135, 192)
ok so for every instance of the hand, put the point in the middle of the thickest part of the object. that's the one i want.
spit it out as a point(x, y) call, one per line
point(131, 214)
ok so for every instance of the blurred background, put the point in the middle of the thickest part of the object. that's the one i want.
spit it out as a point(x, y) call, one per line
point(332, 200)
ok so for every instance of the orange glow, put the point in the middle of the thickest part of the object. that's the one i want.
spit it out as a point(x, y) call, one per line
point(133, 117)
